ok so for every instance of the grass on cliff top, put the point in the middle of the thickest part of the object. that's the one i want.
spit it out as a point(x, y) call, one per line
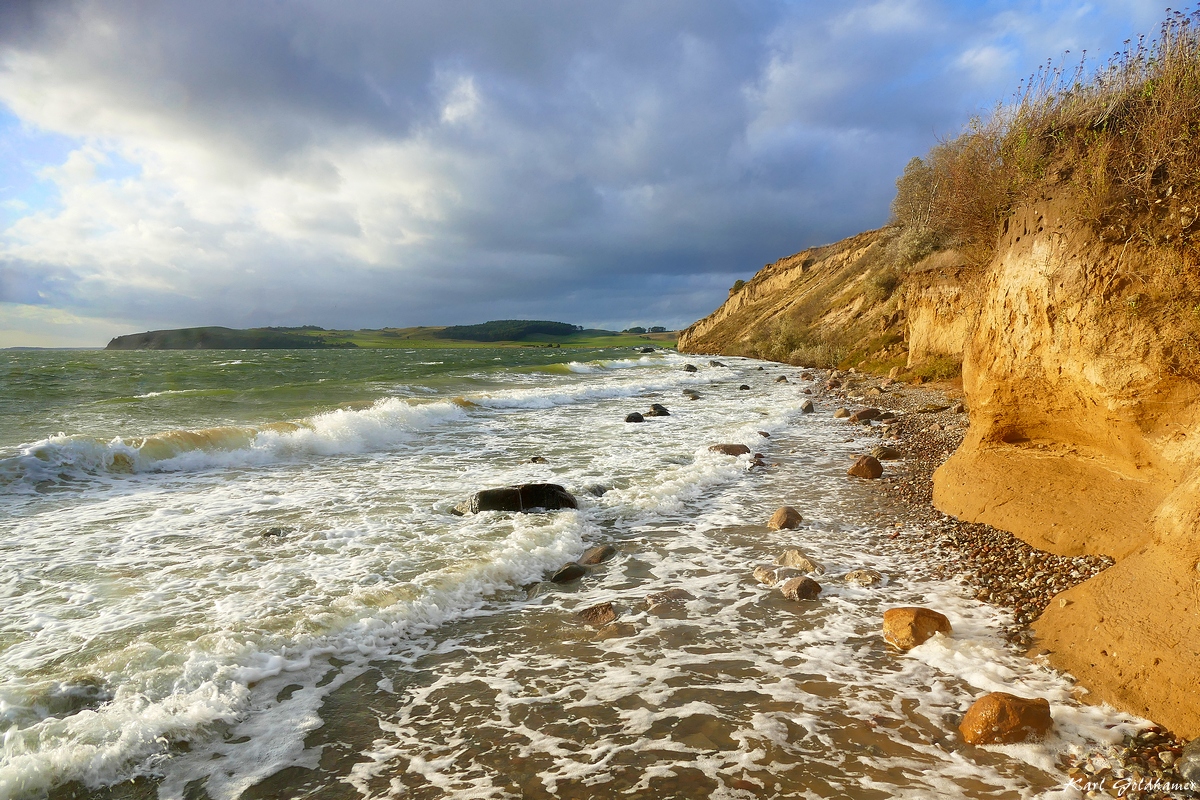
point(1123, 139)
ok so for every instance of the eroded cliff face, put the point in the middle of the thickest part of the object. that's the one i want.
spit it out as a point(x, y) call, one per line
point(1084, 439)
point(1084, 435)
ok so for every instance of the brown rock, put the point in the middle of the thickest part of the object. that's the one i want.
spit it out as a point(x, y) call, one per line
point(804, 588)
point(785, 518)
point(908, 626)
point(807, 407)
point(863, 577)
point(771, 575)
point(864, 414)
point(525, 497)
point(806, 376)
point(569, 572)
point(597, 554)
point(615, 630)
point(667, 598)
point(600, 614)
point(689, 367)
point(743, 387)
point(730, 449)
point(1003, 718)
point(538, 460)
point(634, 417)
point(782, 379)
point(866, 467)
point(657, 410)
point(797, 560)
point(841, 413)
point(884, 452)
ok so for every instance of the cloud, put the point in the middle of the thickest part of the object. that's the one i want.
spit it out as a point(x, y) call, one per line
point(392, 164)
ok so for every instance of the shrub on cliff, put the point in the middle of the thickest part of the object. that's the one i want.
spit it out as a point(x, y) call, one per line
point(1121, 139)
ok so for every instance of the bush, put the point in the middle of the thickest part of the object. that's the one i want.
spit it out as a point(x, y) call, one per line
point(737, 287)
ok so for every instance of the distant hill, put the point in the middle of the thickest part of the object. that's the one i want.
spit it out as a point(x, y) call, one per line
point(507, 330)
point(217, 338)
point(497, 333)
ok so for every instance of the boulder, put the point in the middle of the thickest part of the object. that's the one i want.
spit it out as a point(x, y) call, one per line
point(715, 364)
point(804, 588)
point(657, 410)
point(1188, 765)
point(833, 383)
point(864, 414)
point(743, 388)
point(691, 394)
point(596, 489)
point(885, 453)
point(599, 614)
point(806, 376)
point(807, 407)
point(597, 554)
point(808, 391)
point(770, 575)
point(525, 497)
point(538, 460)
point(569, 572)
point(894, 373)
point(784, 518)
point(866, 467)
point(645, 349)
point(764, 434)
point(908, 626)
point(634, 417)
point(670, 597)
point(782, 379)
point(888, 416)
point(615, 630)
point(689, 367)
point(278, 531)
point(841, 413)
point(730, 449)
point(797, 560)
point(863, 577)
point(762, 369)
point(1003, 718)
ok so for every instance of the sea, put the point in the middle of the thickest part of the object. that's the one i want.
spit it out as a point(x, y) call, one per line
point(239, 574)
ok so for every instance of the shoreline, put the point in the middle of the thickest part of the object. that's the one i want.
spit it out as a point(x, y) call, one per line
point(997, 567)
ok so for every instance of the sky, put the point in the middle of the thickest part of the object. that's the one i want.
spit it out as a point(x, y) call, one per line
point(371, 163)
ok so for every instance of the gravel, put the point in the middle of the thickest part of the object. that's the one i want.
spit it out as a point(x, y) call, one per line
point(994, 565)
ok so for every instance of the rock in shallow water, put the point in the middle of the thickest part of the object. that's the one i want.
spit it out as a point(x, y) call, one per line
point(770, 575)
point(597, 554)
point(841, 413)
point(599, 614)
point(657, 410)
point(634, 417)
point(730, 449)
point(785, 518)
point(569, 572)
point(908, 626)
point(525, 497)
point(797, 560)
point(863, 577)
point(807, 407)
point(803, 588)
point(1003, 718)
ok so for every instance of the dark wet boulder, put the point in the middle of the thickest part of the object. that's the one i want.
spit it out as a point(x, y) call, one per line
point(597, 554)
point(807, 407)
point(806, 376)
point(689, 367)
point(743, 388)
point(538, 460)
point(645, 349)
point(715, 364)
point(525, 497)
point(782, 379)
point(569, 572)
point(657, 410)
point(885, 453)
point(595, 489)
point(864, 414)
point(691, 394)
point(730, 449)
point(634, 417)
point(276, 532)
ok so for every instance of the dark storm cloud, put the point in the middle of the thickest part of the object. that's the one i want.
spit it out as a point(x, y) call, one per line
point(370, 163)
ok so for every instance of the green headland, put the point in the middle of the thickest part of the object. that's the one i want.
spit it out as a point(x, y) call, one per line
point(497, 333)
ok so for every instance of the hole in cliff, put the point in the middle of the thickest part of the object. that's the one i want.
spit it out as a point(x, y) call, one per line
point(1013, 436)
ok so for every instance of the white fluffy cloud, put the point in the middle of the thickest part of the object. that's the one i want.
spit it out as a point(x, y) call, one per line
point(374, 163)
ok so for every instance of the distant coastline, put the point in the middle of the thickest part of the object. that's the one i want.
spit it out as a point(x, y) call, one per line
point(497, 333)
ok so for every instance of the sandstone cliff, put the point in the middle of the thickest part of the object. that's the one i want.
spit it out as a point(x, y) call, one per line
point(1080, 374)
